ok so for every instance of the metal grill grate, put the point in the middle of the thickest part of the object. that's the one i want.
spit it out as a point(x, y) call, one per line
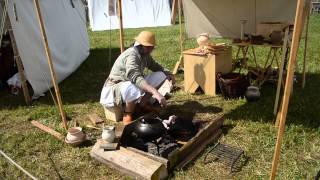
point(230, 156)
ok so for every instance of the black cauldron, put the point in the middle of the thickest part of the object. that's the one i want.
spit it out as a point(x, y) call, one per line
point(149, 128)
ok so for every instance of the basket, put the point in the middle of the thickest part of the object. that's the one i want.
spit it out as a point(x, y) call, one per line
point(232, 85)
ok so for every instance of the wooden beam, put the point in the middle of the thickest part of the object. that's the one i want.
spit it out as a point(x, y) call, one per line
point(283, 58)
point(120, 25)
point(176, 68)
point(17, 58)
point(52, 71)
point(174, 11)
point(292, 60)
point(305, 48)
point(131, 163)
point(48, 130)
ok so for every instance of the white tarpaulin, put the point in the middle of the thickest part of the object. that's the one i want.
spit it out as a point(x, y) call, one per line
point(65, 26)
point(222, 18)
point(135, 13)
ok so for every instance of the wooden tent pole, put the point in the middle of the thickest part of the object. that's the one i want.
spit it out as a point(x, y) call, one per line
point(174, 11)
point(175, 70)
point(17, 59)
point(305, 48)
point(292, 60)
point(48, 54)
point(283, 58)
point(121, 25)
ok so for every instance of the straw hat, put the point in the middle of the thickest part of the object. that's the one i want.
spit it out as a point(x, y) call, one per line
point(146, 38)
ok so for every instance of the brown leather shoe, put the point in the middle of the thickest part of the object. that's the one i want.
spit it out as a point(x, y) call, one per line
point(127, 118)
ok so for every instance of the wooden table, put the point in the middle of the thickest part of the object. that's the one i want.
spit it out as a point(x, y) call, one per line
point(200, 69)
point(273, 54)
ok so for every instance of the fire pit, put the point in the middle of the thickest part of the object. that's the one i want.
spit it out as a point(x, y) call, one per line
point(160, 141)
point(145, 158)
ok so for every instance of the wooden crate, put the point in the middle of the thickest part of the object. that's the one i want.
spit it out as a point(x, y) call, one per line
point(200, 70)
point(142, 165)
point(114, 113)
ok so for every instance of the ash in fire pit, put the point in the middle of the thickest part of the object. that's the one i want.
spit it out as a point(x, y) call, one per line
point(181, 130)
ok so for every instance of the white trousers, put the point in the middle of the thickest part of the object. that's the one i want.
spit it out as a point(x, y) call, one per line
point(129, 91)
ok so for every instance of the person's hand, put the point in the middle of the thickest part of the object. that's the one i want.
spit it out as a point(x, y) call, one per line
point(162, 100)
point(171, 78)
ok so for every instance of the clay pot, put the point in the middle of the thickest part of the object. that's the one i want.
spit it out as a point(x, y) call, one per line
point(252, 93)
point(276, 37)
point(75, 134)
point(203, 39)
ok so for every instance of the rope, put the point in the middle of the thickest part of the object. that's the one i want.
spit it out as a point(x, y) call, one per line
point(3, 20)
point(17, 165)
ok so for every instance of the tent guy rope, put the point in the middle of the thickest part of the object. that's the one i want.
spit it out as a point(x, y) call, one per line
point(17, 165)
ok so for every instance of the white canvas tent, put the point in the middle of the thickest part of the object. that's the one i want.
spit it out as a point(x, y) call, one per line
point(65, 24)
point(222, 18)
point(136, 13)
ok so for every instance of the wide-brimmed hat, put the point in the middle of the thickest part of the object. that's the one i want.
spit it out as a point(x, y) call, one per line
point(146, 38)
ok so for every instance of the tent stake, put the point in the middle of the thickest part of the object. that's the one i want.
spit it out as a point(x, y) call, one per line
point(305, 48)
point(292, 60)
point(121, 25)
point(52, 72)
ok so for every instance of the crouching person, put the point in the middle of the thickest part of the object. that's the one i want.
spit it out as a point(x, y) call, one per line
point(127, 85)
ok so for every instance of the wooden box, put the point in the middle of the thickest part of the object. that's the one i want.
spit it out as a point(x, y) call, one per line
point(114, 113)
point(266, 28)
point(200, 70)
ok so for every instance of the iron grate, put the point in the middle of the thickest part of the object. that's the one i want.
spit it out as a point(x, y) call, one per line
point(232, 157)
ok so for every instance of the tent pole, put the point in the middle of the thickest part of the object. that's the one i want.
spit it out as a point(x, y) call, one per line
point(52, 72)
point(305, 48)
point(174, 11)
point(121, 25)
point(283, 57)
point(175, 70)
point(17, 58)
point(287, 90)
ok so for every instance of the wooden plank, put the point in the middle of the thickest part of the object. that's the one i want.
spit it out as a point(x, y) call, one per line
point(95, 119)
point(130, 163)
point(198, 149)
point(48, 130)
point(162, 160)
point(287, 91)
point(52, 71)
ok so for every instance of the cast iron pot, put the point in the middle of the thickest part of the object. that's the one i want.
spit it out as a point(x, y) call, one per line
point(149, 128)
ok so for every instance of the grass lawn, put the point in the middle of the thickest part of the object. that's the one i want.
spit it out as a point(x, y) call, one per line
point(249, 126)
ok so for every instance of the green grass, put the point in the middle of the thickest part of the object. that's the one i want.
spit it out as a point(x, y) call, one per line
point(248, 125)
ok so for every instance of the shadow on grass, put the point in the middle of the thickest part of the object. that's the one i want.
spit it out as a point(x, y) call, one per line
point(82, 86)
point(189, 109)
point(304, 106)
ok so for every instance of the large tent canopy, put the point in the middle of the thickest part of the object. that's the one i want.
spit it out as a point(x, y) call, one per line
point(136, 13)
point(223, 18)
point(65, 24)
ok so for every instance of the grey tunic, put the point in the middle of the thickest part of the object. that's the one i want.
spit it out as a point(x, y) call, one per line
point(130, 66)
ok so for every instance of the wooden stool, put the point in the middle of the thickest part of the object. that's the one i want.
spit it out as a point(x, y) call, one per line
point(114, 113)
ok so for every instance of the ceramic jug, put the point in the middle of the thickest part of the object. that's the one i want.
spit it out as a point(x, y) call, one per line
point(108, 133)
point(252, 93)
